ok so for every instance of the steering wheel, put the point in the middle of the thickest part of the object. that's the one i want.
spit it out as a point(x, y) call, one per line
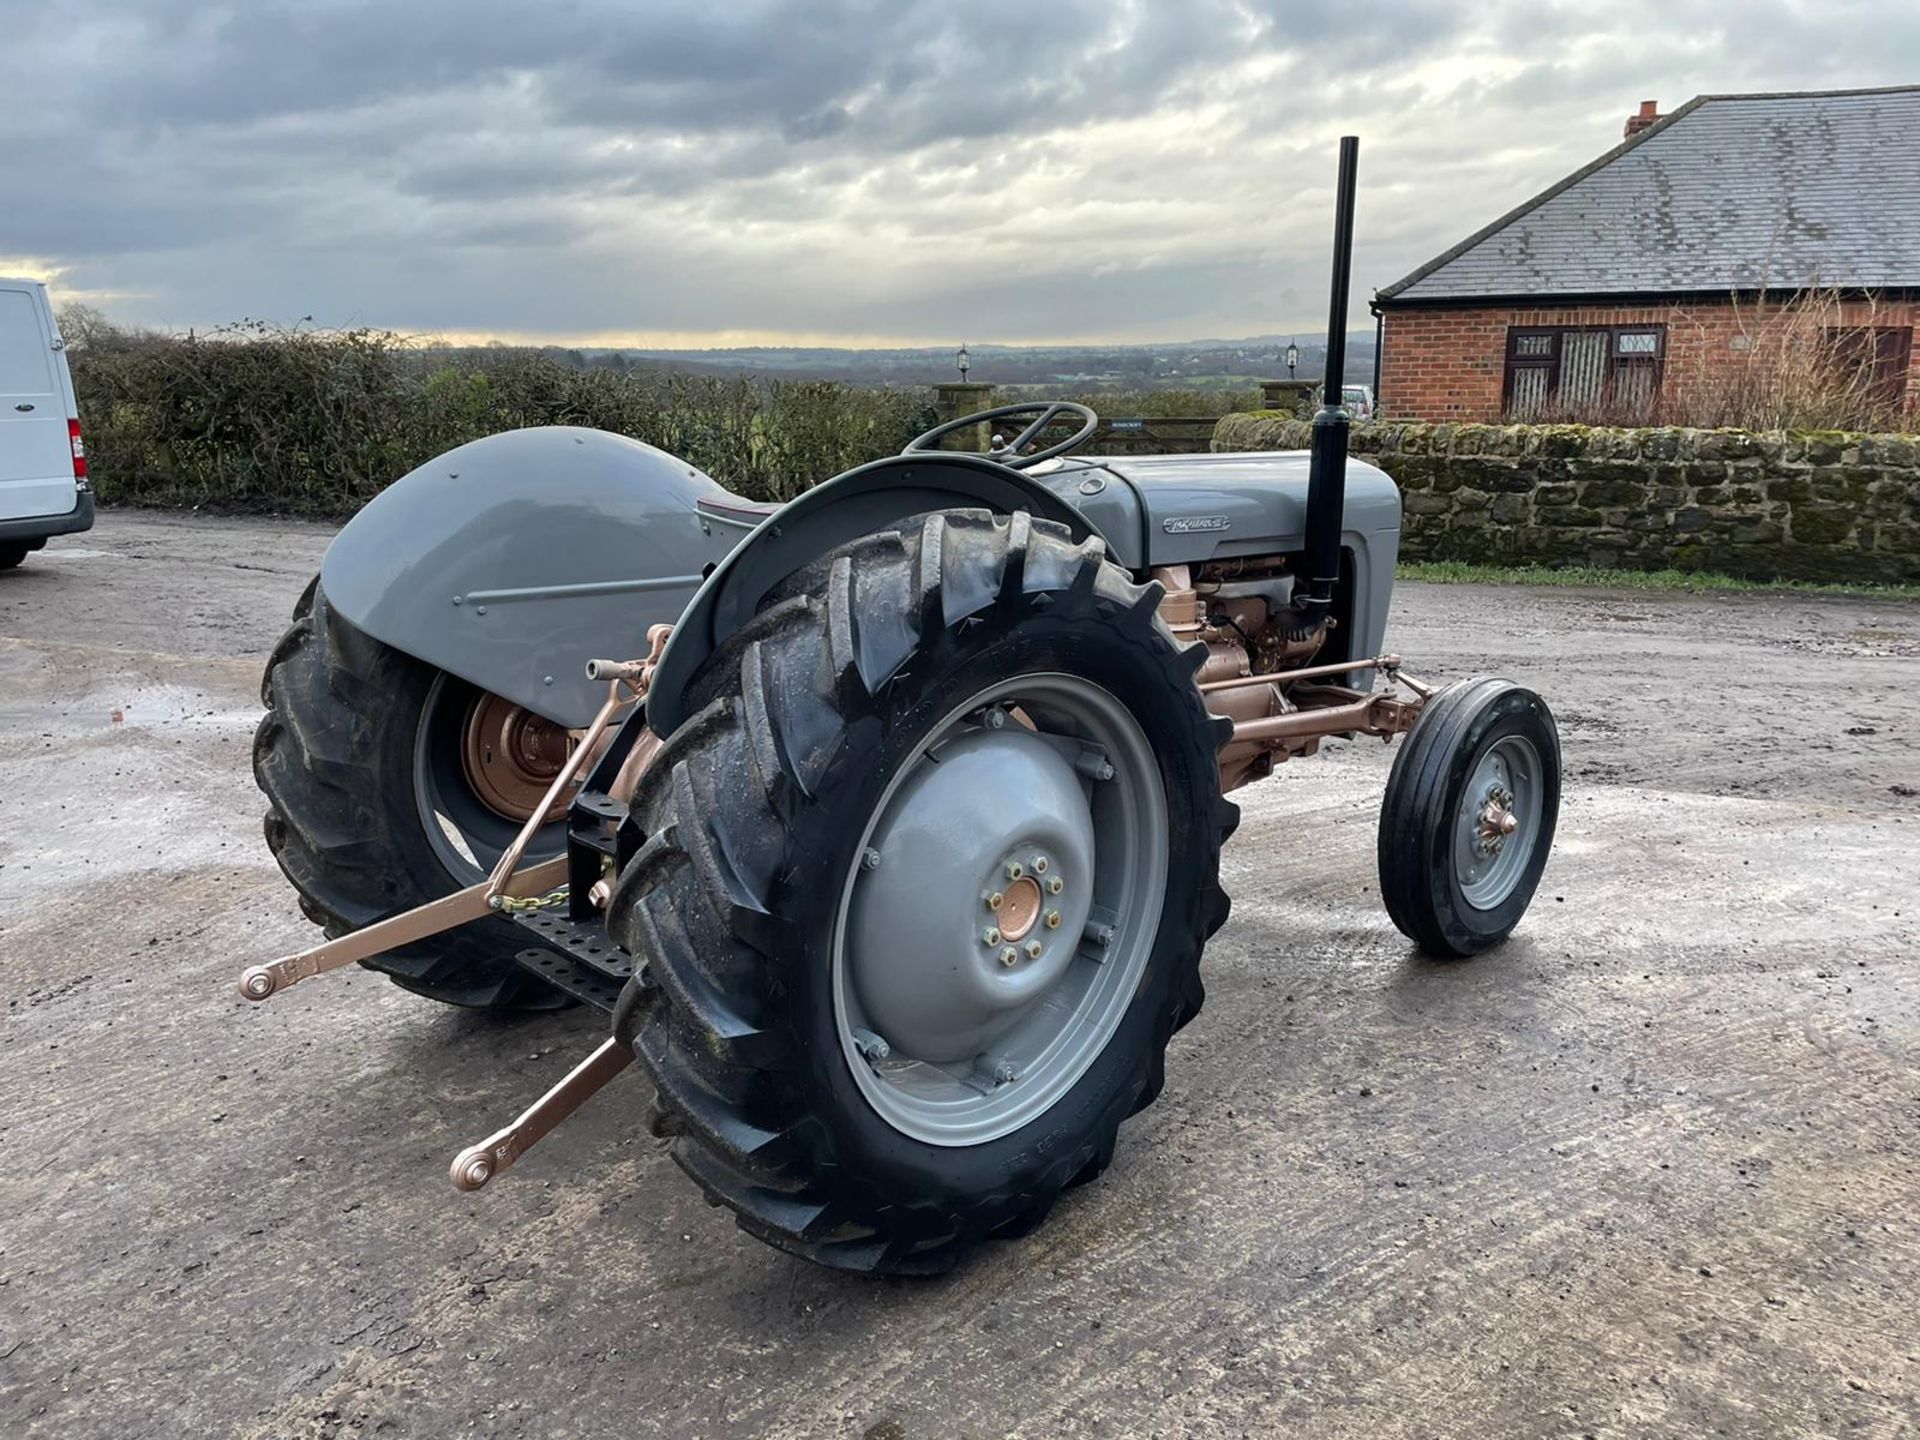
point(1009, 454)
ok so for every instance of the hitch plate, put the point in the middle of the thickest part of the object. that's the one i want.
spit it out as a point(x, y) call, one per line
point(578, 979)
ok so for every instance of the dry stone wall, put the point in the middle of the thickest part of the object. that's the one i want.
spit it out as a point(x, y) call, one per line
point(1803, 506)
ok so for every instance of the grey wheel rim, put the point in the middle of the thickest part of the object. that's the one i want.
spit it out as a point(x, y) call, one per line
point(1001, 909)
point(1497, 824)
point(465, 835)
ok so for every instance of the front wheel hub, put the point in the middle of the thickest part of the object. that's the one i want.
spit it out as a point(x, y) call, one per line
point(1498, 821)
point(962, 928)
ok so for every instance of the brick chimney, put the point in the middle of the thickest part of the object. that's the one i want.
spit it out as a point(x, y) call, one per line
point(1649, 115)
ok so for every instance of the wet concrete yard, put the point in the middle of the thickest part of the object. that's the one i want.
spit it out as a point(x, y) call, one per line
point(1651, 1169)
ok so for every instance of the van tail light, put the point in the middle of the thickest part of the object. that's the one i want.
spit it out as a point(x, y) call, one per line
point(79, 450)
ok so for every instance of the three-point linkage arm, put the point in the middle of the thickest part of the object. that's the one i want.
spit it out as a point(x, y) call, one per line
point(509, 886)
point(627, 682)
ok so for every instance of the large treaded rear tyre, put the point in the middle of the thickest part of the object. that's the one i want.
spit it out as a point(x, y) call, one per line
point(756, 811)
point(334, 755)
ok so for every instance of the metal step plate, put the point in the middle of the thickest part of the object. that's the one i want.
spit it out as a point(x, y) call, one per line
point(583, 961)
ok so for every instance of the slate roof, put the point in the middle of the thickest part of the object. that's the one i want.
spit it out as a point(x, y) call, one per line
point(1729, 192)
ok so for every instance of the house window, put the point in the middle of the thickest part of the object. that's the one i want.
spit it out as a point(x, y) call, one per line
point(1872, 362)
point(1583, 370)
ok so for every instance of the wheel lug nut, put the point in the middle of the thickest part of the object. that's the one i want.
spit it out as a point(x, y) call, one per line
point(1093, 766)
point(1033, 949)
point(1053, 919)
point(996, 900)
point(1009, 957)
point(1039, 864)
point(1014, 872)
point(990, 936)
point(1056, 885)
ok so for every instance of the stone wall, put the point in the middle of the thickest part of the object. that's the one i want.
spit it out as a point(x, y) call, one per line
point(1803, 506)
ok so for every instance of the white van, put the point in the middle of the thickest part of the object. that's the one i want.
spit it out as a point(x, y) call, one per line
point(43, 466)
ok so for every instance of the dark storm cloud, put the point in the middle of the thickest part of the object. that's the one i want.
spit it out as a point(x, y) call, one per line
point(1006, 168)
point(904, 74)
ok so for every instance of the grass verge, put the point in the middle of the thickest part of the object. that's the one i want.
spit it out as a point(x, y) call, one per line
point(1460, 572)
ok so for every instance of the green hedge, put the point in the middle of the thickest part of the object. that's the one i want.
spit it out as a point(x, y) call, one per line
point(318, 422)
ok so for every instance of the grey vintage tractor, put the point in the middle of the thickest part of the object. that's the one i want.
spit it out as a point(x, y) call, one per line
point(891, 840)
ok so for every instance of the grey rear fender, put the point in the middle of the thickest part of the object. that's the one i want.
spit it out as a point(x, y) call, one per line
point(857, 503)
point(513, 560)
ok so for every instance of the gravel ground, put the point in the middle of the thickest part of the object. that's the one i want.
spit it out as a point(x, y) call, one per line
point(1650, 1169)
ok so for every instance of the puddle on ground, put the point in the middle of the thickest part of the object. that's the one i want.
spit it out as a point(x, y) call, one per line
point(139, 707)
point(171, 706)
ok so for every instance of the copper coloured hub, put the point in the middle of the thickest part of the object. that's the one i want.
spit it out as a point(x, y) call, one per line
point(511, 756)
point(1020, 908)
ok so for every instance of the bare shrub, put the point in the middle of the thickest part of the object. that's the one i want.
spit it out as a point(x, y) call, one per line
point(1794, 367)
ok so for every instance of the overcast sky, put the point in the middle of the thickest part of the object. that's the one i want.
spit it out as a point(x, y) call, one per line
point(695, 172)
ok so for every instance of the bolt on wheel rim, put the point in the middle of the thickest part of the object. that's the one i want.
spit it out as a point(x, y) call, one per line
point(996, 946)
point(1498, 822)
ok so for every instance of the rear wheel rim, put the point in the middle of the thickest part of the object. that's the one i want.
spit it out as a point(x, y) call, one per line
point(511, 757)
point(1497, 822)
point(918, 948)
point(467, 825)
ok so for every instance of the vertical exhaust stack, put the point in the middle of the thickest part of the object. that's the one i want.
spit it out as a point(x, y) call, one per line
point(1327, 470)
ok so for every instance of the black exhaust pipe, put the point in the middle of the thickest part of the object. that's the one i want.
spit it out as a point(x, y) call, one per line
point(1327, 469)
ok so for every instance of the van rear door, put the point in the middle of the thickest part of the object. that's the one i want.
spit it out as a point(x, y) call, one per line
point(36, 450)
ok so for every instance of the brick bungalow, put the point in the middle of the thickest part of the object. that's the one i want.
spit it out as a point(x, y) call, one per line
point(1651, 274)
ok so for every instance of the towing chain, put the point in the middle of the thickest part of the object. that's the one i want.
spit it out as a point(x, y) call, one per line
point(525, 904)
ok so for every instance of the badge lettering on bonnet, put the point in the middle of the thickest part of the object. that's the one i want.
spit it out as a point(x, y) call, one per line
point(1187, 524)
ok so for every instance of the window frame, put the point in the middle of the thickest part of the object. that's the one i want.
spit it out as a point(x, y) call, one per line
point(1616, 363)
point(1887, 369)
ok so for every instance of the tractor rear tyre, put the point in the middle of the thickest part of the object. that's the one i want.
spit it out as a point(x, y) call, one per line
point(1469, 814)
point(927, 878)
point(369, 812)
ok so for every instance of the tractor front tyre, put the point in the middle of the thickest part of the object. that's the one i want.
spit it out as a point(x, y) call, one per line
point(363, 757)
point(927, 878)
point(1468, 818)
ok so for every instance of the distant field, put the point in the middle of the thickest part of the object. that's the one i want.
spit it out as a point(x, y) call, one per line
point(1186, 364)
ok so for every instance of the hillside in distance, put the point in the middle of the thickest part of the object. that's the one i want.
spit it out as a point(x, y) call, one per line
point(1186, 365)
